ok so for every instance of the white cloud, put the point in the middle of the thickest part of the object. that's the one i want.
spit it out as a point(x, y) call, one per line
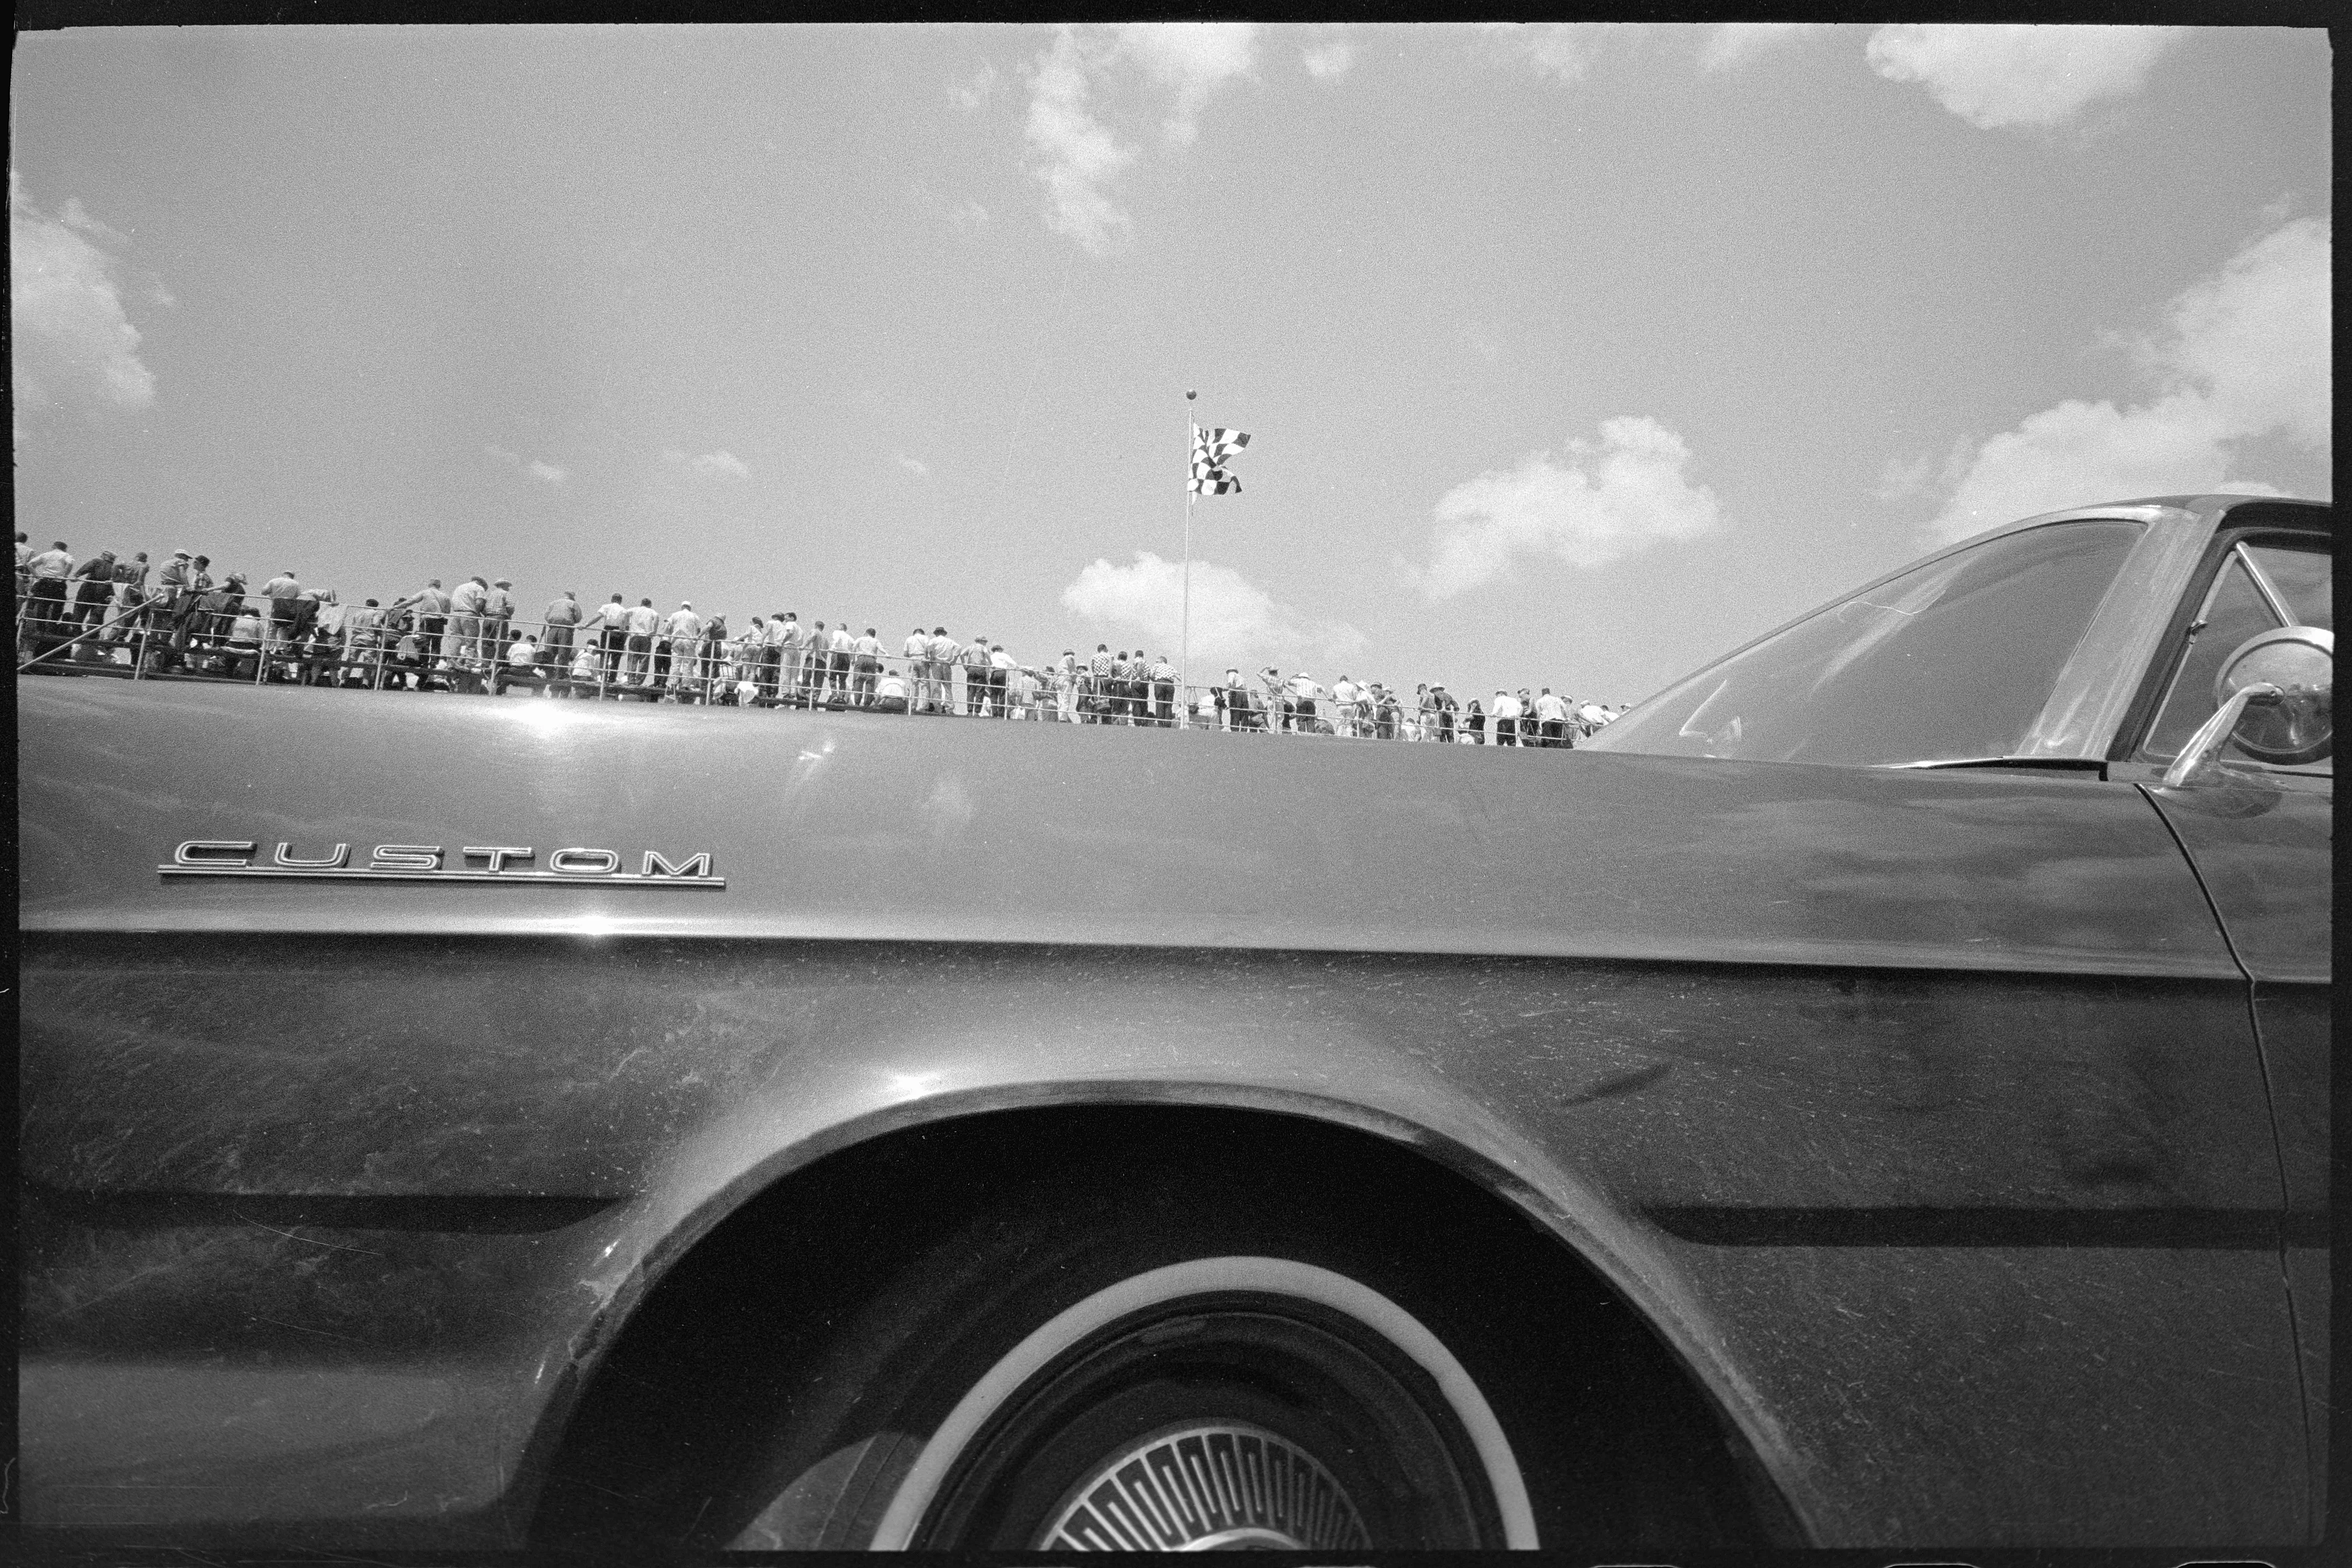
point(2245, 356)
point(708, 464)
point(1730, 44)
point(1195, 59)
point(1561, 50)
point(1075, 156)
point(914, 466)
point(1606, 500)
point(546, 473)
point(980, 88)
point(1329, 58)
point(71, 340)
point(1235, 622)
point(2020, 74)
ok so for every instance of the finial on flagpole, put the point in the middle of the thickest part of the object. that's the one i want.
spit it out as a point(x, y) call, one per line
point(1189, 395)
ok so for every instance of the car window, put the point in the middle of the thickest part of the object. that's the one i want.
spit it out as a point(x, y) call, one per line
point(2236, 608)
point(1954, 659)
point(2304, 581)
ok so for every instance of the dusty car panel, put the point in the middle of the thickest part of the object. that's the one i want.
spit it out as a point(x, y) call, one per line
point(375, 1075)
point(2001, 1134)
point(849, 828)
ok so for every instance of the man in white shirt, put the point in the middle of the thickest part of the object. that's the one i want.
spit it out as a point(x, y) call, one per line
point(838, 643)
point(940, 697)
point(1161, 676)
point(782, 680)
point(1507, 718)
point(916, 651)
point(1000, 679)
point(681, 631)
point(1345, 695)
point(1551, 719)
point(608, 633)
point(867, 653)
point(1305, 691)
point(890, 692)
point(643, 624)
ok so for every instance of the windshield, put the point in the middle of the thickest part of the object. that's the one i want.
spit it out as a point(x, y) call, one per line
point(1954, 659)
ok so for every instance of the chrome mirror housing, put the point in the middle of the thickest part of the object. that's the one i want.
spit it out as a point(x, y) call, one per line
point(2298, 726)
point(2276, 701)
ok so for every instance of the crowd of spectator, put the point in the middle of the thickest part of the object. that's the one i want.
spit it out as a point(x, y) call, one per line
point(105, 611)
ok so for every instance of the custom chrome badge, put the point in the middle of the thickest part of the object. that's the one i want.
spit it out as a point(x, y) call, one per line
point(577, 867)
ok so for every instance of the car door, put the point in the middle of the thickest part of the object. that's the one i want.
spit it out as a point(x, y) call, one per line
point(2259, 835)
point(1996, 658)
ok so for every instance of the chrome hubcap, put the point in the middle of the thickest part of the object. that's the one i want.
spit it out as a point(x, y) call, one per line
point(1207, 1487)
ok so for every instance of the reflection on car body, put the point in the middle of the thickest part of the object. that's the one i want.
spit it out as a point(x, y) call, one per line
point(1902, 1123)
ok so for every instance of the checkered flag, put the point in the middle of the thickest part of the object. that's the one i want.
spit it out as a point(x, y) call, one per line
point(1212, 449)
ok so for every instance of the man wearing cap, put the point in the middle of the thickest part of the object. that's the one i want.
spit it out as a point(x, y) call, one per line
point(1443, 700)
point(216, 611)
point(432, 603)
point(1304, 694)
point(1505, 711)
point(498, 613)
point(916, 651)
point(780, 659)
point(461, 642)
point(681, 631)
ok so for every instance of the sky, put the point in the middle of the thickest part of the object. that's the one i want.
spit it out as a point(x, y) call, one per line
point(1571, 356)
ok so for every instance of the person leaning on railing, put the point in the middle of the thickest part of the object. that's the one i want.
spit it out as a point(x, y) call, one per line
point(866, 651)
point(558, 625)
point(91, 583)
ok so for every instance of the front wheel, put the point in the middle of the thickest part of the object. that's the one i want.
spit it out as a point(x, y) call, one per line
point(1057, 1380)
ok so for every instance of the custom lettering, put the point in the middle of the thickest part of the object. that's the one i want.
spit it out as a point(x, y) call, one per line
point(578, 862)
point(696, 866)
point(213, 852)
point(342, 852)
point(497, 855)
point(406, 857)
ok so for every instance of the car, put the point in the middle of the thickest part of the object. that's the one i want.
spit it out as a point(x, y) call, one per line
point(1875, 1094)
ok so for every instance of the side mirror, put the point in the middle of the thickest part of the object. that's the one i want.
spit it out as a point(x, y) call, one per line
point(2275, 693)
point(2299, 726)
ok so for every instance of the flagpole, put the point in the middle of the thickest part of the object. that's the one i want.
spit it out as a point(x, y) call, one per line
point(1184, 623)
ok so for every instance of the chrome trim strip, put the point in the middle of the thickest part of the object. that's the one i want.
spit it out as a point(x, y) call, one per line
point(2094, 690)
point(574, 879)
point(2262, 583)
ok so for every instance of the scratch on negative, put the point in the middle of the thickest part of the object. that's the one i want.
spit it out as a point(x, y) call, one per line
point(301, 1328)
point(312, 1240)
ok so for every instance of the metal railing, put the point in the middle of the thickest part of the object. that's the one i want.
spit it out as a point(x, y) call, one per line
point(256, 640)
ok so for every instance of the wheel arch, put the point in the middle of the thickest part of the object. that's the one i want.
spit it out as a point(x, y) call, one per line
point(897, 1151)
